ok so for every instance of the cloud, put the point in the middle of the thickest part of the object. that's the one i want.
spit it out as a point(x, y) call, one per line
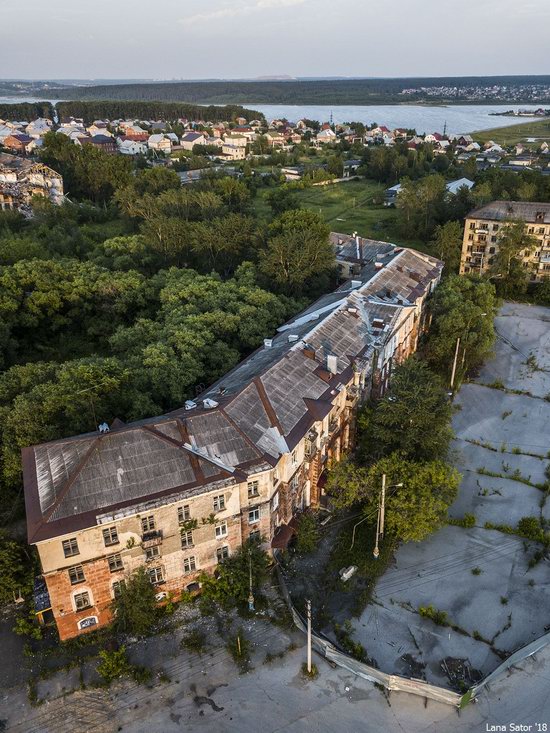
point(246, 8)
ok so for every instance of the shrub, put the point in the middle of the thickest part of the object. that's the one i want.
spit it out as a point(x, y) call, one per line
point(310, 675)
point(503, 600)
point(476, 571)
point(530, 527)
point(467, 521)
point(438, 617)
point(114, 665)
point(239, 648)
point(194, 641)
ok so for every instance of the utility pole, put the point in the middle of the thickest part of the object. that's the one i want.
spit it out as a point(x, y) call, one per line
point(382, 505)
point(308, 607)
point(376, 551)
point(453, 372)
point(250, 595)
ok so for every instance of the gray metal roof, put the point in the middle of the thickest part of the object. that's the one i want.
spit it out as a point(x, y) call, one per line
point(502, 210)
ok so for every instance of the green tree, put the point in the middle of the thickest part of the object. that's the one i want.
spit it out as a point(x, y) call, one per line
point(419, 507)
point(307, 537)
point(281, 199)
point(513, 244)
point(447, 244)
point(135, 610)
point(412, 418)
point(298, 248)
point(349, 484)
point(230, 584)
point(461, 307)
point(15, 570)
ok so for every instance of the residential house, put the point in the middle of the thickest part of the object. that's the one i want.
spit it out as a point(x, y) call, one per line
point(236, 139)
point(180, 492)
point(160, 143)
point(19, 143)
point(128, 146)
point(107, 143)
point(484, 225)
point(190, 139)
point(327, 135)
point(233, 152)
point(21, 179)
point(275, 139)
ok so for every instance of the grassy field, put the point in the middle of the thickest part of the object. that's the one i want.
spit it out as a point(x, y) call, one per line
point(539, 128)
point(348, 207)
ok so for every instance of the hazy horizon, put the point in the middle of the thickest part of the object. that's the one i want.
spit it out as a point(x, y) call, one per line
point(247, 39)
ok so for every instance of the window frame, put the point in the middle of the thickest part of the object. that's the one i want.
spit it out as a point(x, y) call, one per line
point(114, 561)
point(222, 553)
point(78, 571)
point(67, 546)
point(253, 488)
point(191, 561)
point(152, 553)
point(110, 542)
point(79, 595)
point(218, 502)
point(255, 512)
point(220, 530)
point(184, 513)
point(187, 539)
point(148, 523)
point(156, 570)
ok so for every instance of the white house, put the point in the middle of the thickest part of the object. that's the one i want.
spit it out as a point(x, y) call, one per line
point(234, 152)
point(326, 136)
point(160, 142)
point(131, 147)
point(190, 139)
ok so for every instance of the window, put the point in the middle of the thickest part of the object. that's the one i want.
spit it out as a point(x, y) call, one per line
point(186, 539)
point(492, 250)
point(275, 502)
point(253, 489)
point(531, 230)
point(148, 523)
point(472, 225)
point(493, 239)
point(156, 575)
point(117, 587)
point(82, 601)
point(294, 458)
point(189, 564)
point(221, 530)
point(70, 547)
point(541, 230)
point(254, 536)
point(470, 237)
point(110, 536)
point(496, 227)
point(253, 516)
point(76, 574)
point(115, 562)
point(184, 513)
point(219, 503)
point(222, 553)
point(152, 552)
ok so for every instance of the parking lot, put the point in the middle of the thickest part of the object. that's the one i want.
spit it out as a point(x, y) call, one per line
point(494, 590)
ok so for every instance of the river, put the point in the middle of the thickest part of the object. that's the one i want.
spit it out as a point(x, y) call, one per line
point(459, 118)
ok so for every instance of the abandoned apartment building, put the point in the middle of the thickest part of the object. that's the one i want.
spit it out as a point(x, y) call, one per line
point(182, 491)
point(21, 179)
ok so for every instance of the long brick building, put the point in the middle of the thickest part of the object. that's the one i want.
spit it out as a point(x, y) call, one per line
point(182, 491)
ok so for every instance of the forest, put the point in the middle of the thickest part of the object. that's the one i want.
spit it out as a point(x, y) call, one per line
point(135, 294)
point(323, 91)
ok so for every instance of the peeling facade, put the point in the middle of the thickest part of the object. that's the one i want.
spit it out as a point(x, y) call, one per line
point(179, 492)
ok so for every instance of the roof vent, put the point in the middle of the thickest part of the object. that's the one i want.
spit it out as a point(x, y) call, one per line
point(377, 323)
point(379, 265)
point(352, 310)
point(190, 405)
point(292, 337)
point(268, 343)
point(209, 404)
point(103, 428)
point(356, 283)
point(332, 364)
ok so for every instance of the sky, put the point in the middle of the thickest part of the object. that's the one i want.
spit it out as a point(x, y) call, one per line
point(181, 39)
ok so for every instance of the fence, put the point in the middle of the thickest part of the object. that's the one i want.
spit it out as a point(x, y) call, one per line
point(394, 682)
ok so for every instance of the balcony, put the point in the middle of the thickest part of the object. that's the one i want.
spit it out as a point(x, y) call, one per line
point(333, 425)
point(151, 539)
point(352, 394)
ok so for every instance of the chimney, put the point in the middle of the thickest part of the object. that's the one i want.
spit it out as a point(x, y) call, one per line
point(357, 246)
point(268, 343)
point(332, 364)
point(292, 338)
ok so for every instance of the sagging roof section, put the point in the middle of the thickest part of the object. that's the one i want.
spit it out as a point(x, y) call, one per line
point(256, 412)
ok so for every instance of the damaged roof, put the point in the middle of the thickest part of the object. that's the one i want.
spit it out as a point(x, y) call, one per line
point(242, 423)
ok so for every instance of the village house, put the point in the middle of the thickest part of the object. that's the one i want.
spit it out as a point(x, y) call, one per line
point(180, 492)
point(107, 143)
point(275, 139)
point(326, 135)
point(19, 143)
point(190, 139)
point(236, 139)
point(484, 225)
point(128, 146)
point(233, 152)
point(21, 179)
point(160, 143)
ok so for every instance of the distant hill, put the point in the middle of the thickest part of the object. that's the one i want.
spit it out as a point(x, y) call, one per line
point(321, 91)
